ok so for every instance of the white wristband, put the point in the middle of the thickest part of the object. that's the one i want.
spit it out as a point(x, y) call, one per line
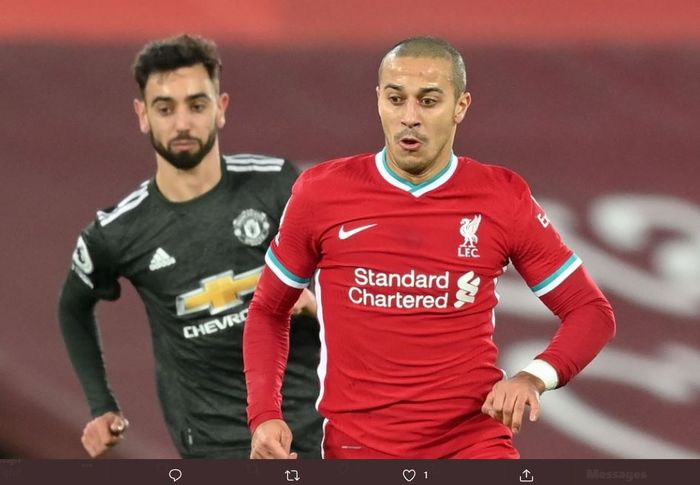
point(545, 371)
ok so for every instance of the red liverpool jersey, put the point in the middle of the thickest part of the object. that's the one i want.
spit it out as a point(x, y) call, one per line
point(405, 277)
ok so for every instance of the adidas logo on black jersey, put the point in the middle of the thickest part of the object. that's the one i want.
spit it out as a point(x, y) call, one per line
point(160, 259)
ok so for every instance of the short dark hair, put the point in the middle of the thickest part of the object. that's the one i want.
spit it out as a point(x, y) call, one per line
point(428, 46)
point(173, 53)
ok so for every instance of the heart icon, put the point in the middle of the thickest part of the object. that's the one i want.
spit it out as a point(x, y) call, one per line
point(409, 475)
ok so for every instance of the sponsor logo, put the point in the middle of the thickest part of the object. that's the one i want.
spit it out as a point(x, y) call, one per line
point(343, 234)
point(218, 293)
point(160, 259)
point(251, 227)
point(369, 289)
point(468, 286)
point(369, 283)
point(215, 325)
point(468, 230)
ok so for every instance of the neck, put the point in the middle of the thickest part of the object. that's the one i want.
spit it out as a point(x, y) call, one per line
point(182, 185)
point(417, 179)
point(432, 169)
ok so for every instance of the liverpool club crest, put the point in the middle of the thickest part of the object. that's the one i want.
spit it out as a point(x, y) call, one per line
point(468, 228)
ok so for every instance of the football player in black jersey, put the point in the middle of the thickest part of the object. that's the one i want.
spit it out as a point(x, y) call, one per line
point(192, 241)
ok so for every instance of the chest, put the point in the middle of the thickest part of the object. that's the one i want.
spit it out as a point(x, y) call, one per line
point(391, 231)
point(175, 251)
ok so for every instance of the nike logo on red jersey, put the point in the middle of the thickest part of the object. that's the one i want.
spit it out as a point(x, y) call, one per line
point(343, 234)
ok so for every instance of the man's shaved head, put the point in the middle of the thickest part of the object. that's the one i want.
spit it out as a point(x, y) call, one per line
point(426, 46)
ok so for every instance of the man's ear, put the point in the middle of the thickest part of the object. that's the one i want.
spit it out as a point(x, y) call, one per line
point(462, 106)
point(222, 104)
point(140, 109)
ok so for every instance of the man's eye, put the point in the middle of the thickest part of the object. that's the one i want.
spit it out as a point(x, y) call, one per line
point(395, 99)
point(428, 101)
point(199, 107)
point(163, 110)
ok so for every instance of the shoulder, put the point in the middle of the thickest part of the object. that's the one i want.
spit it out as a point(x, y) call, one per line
point(495, 177)
point(253, 162)
point(98, 241)
point(115, 224)
point(261, 172)
point(337, 171)
point(128, 208)
point(256, 163)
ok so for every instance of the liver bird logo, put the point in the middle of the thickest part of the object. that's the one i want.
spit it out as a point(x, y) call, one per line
point(468, 230)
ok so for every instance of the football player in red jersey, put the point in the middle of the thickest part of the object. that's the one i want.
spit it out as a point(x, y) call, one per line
point(405, 247)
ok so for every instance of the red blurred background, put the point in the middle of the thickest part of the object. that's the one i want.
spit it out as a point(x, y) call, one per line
point(593, 102)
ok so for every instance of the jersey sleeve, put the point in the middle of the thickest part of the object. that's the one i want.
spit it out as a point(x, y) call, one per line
point(294, 251)
point(587, 325)
point(93, 264)
point(290, 262)
point(536, 248)
point(266, 347)
point(556, 275)
point(91, 278)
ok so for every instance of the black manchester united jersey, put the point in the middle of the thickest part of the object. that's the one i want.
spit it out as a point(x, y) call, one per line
point(195, 265)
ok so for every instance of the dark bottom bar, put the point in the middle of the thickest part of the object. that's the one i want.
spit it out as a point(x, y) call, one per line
point(379, 472)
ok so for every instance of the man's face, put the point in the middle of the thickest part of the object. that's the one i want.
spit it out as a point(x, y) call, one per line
point(181, 113)
point(419, 112)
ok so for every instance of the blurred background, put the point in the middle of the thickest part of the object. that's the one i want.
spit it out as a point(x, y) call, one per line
point(593, 102)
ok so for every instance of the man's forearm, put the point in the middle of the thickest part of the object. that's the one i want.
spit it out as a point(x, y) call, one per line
point(76, 315)
point(587, 324)
point(266, 346)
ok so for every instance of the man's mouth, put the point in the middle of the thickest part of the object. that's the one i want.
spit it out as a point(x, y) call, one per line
point(184, 144)
point(410, 143)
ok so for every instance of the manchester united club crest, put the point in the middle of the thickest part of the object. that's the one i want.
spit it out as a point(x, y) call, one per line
point(468, 228)
point(251, 227)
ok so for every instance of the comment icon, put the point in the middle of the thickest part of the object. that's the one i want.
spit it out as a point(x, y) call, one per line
point(175, 474)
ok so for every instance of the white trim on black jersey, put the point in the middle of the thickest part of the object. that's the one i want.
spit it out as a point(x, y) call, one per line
point(129, 202)
point(248, 162)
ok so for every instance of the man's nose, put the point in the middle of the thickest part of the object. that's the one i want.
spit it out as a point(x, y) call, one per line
point(182, 120)
point(411, 115)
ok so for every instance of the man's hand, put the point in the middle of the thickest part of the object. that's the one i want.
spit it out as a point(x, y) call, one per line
point(272, 439)
point(306, 304)
point(104, 432)
point(507, 400)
